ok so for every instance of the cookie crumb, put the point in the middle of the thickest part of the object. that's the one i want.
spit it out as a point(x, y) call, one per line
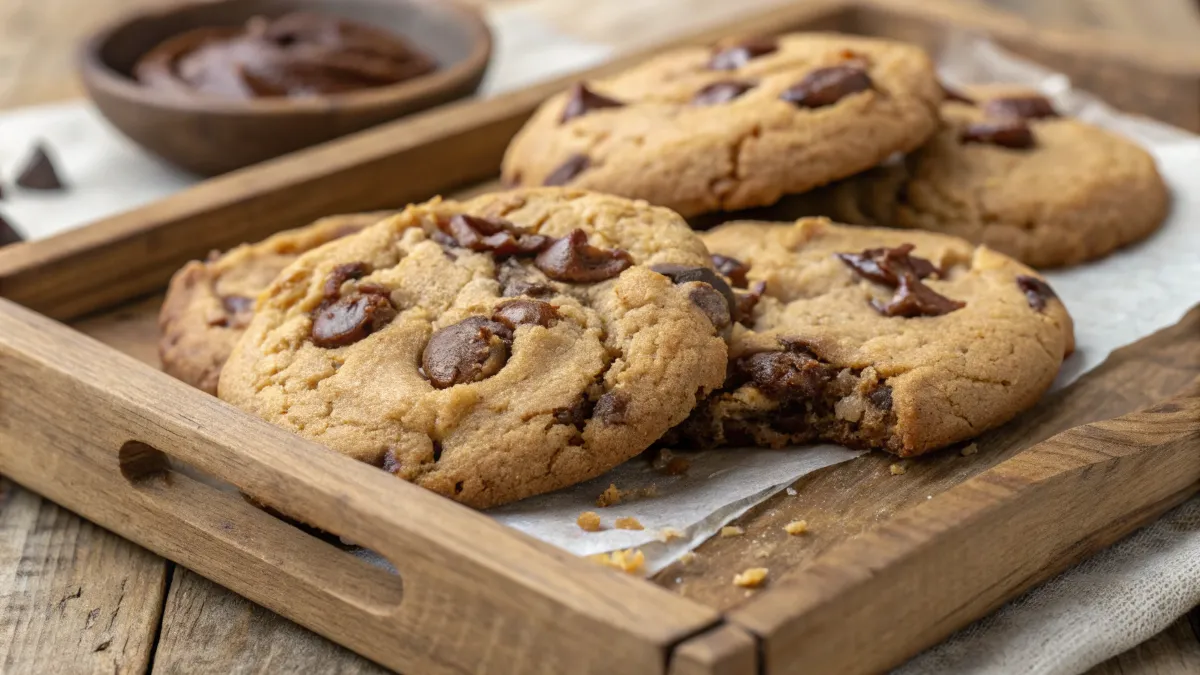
point(629, 561)
point(791, 492)
point(796, 527)
point(970, 450)
point(629, 523)
point(668, 533)
point(669, 464)
point(762, 553)
point(898, 469)
point(589, 521)
point(732, 531)
point(751, 578)
point(610, 497)
point(687, 558)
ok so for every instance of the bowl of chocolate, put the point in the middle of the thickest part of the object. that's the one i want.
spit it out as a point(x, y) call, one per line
point(216, 86)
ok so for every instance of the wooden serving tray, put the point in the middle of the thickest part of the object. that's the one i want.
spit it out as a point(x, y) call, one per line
point(892, 564)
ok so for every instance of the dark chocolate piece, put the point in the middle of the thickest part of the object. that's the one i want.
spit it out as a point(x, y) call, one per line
point(732, 58)
point(826, 86)
point(573, 260)
point(39, 172)
point(1020, 107)
point(721, 92)
point(568, 170)
point(582, 101)
point(350, 318)
point(1006, 133)
point(468, 351)
point(1037, 292)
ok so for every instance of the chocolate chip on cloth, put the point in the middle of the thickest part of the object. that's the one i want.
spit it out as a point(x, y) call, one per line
point(210, 303)
point(817, 361)
point(701, 129)
point(39, 172)
point(502, 374)
point(1012, 174)
point(8, 234)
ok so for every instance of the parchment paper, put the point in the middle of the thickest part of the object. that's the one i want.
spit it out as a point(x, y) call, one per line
point(1114, 302)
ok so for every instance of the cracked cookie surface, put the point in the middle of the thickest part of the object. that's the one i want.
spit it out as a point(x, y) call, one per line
point(209, 303)
point(821, 359)
point(488, 350)
point(1074, 192)
point(700, 130)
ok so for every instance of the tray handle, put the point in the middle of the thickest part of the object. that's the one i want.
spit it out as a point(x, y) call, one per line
point(472, 594)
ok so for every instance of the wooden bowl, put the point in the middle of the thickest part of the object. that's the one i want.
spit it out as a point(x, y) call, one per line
point(210, 135)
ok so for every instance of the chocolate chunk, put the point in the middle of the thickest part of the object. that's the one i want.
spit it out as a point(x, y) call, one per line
point(350, 318)
point(793, 373)
point(576, 415)
point(8, 234)
point(887, 265)
point(881, 397)
point(515, 280)
point(914, 298)
point(240, 308)
point(572, 259)
point(953, 94)
point(39, 173)
point(468, 351)
point(732, 58)
point(721, 92)
point(682, 274)
point(568, 170)
point(746, 302)
point(341, 274)
point(492, 234)
point(1007, 133)
point(612, 408)
point(582, 101)
point(826, 86)
point(1020, 107)
point(1037, 292)
point(735, 270)
point(514, 313)
point(714, 305)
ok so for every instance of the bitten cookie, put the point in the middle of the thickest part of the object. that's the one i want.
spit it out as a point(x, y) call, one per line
point(875, 338)
point(700, 130)
point(1007, 171)
point(493, 349)
point(209, 303)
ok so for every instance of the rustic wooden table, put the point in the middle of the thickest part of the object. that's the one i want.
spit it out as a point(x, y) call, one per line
point(75, 598)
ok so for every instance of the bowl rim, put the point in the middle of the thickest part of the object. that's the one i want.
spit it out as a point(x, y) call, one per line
point(95, 73)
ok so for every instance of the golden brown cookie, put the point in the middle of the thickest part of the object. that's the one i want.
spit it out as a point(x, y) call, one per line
point(877, 338)
point(209, 303)
point(700, 130)
point(1009, 172)
point(493, 349)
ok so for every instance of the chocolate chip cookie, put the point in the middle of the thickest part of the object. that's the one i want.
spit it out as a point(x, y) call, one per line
point(209, 303)
point(737, 126)
point(494, 349)
point(877, 338)
point(1008, 171)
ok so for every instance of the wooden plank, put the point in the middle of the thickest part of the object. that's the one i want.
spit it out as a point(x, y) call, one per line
point(470, 591)
point(74, 598)
point(214, 630)
point(724, 650)
point(880, 598)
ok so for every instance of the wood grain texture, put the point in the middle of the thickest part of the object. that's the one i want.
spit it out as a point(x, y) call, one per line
point(878, 599)
point(214, 630)
point(517, 605)
point(724, 650)
point(74, 598)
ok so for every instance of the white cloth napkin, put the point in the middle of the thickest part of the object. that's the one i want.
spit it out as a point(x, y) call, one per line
point(1094, 611)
